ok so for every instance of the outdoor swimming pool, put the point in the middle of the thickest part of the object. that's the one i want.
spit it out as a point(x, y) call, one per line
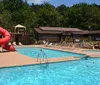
point(82, 72)
point(33, 52)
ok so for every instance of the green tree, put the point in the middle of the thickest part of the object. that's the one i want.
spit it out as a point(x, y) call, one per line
point(82, 15)
point(5, 20)
point(15, 12)
point(28, 18)
point(48, 16)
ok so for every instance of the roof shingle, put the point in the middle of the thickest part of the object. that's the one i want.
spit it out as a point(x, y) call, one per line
point(59, 29)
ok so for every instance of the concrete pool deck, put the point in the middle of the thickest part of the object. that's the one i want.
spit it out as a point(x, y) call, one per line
point(9, 59)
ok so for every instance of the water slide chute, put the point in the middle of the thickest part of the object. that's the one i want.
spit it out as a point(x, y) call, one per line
point(6, 38)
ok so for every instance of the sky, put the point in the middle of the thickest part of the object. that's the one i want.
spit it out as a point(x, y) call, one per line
point(65, 2)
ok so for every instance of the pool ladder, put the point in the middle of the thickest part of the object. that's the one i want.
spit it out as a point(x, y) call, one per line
point(42, 59)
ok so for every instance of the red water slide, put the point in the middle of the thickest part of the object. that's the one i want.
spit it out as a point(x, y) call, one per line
point(6, 38)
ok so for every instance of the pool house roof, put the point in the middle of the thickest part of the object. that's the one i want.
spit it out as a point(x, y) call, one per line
point(60, 30)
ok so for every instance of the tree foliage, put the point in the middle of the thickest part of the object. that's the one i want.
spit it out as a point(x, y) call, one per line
point(82, 15)
point(48, 15)
point(15, 12)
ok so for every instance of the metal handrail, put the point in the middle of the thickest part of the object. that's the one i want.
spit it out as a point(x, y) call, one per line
point(42, 58)
point(45, 57)
point(38, 56)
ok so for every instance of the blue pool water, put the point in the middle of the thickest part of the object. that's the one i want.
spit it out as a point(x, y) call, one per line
point(82, 72)
point(33, 52)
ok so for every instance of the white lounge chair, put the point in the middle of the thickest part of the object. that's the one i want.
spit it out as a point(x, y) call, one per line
point(44, 42)
point(50, 44)
point(9, 43)
point(14, 43)
point(20, 43)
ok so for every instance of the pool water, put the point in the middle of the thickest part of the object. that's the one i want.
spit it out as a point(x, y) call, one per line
point(33, 52)
point(82, 72)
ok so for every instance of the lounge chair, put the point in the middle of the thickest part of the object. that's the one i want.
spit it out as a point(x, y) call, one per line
point(9, 43)
point(14, 43)
point(44, 42)
point(50, 44)
point(20, 43)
